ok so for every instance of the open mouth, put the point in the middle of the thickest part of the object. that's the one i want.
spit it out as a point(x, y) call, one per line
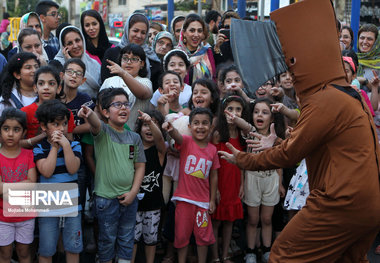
point(260, 122)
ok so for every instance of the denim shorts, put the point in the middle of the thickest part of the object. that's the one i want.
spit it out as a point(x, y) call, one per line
point(49, 233)
point(116, 228)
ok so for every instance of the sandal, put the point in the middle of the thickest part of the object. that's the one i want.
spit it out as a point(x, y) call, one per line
point(216, 260)
point(227, 259)
point(168, 259)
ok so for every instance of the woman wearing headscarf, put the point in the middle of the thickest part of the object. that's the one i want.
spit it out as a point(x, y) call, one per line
point(136, 32)
point(32, 20)
point(163, 43)
point(95, 34)
point(73, 45)
point(191, 40)
point(176, 26)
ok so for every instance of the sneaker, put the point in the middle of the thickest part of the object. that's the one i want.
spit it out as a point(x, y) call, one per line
point(265, 257)
point(250, 258)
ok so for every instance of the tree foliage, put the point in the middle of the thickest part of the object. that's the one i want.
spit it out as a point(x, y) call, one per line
point(188, 5)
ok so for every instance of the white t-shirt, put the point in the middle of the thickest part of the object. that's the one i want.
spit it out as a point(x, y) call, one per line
point(136, 104)
point(25, 101)
point(184, 96)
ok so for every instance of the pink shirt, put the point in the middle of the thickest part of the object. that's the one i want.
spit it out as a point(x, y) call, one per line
point(15, 170)
point(195, 166)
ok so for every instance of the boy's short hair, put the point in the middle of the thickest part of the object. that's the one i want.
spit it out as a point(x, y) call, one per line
point(52, 110)
point(43, 6)
point(109, 94)
point(13, 114)
point(76, 61)
point(198, 111)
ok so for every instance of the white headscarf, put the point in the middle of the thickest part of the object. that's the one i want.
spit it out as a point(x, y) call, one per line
point(92, 84)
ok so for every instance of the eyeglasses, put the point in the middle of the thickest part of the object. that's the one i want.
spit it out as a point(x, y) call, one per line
point(268, 84)
point(132, 60)
point(55, 14)
point(119, 104)
point(71, 72)
point(164, 44)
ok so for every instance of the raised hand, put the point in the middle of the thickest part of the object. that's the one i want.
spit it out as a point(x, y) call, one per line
point(84, 112)
point(229, 116)
point(277, 107)
point(115, 68)
point(167, 126)
point(229, 157)
point(144, 116)
point(264, 142)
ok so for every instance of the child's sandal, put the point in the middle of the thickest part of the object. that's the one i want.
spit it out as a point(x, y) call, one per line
point(226, 259)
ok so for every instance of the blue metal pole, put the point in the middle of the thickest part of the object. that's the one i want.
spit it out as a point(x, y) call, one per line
point(170, 12)
point(241, 8)
point(230, 4)
point(274, 4)
point(355, 20)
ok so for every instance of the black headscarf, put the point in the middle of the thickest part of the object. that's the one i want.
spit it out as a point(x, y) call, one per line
point(103, 42)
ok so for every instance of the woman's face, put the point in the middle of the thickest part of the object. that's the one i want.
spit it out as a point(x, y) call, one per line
point(177, 29)
point(152, 34)
point(34, 23)
point(137, 33)
point(366, 41)
point(91, 27)
point(32, 43)
point(177, 65)
point(132, 64)
point(345, 38)
point(163, 46)
point(74, 43)
point(26, 75)
point(193, 35)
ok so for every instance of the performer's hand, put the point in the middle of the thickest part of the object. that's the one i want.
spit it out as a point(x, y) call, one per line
point(263, 142)
point(231, 158)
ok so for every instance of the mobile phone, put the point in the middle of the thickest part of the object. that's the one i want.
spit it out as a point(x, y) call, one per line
point(225, 32)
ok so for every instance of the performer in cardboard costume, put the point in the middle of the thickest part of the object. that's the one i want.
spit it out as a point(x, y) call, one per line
point(336, 135)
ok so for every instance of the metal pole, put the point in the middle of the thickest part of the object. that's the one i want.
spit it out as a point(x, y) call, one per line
point(274, 4)
point(170, 12)
point(355, 20)
point(241, 8)
point(262, 6)
point(200, 7)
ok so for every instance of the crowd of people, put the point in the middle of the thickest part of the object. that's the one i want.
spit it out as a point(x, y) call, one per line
point(139, 125)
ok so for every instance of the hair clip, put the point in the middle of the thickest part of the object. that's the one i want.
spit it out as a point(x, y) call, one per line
point(18, 59)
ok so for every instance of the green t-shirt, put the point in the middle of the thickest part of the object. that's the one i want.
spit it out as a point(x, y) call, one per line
point(116, 153)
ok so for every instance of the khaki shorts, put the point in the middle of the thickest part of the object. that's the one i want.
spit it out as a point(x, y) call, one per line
point(261, 188)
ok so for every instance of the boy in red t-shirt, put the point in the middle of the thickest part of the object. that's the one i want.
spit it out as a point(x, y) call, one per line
point(197, 184)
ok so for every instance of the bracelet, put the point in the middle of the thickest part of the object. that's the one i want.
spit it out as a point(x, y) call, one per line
point(217, 51)
point(30, 142)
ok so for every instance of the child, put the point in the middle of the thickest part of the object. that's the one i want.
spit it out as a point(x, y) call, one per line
point(58, 161)
point(176, 60)
point(149, 210)
point(232, 81)
point(262, 189)
point(18, 81)
point(170, 85)
point(131, 74)
point(204, 95)
point(47, 87)
point(196, 191)
point(230, 178)
point(120, 167)
point(17, 167)
point(74, 71)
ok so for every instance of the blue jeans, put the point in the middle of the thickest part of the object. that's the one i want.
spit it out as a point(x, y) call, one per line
point(49, 228)
point(116, 228)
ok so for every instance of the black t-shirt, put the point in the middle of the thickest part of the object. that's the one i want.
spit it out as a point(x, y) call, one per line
point(152, 183)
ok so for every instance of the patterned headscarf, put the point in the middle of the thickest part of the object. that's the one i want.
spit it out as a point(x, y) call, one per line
point(199, 59)
point(371, 59)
